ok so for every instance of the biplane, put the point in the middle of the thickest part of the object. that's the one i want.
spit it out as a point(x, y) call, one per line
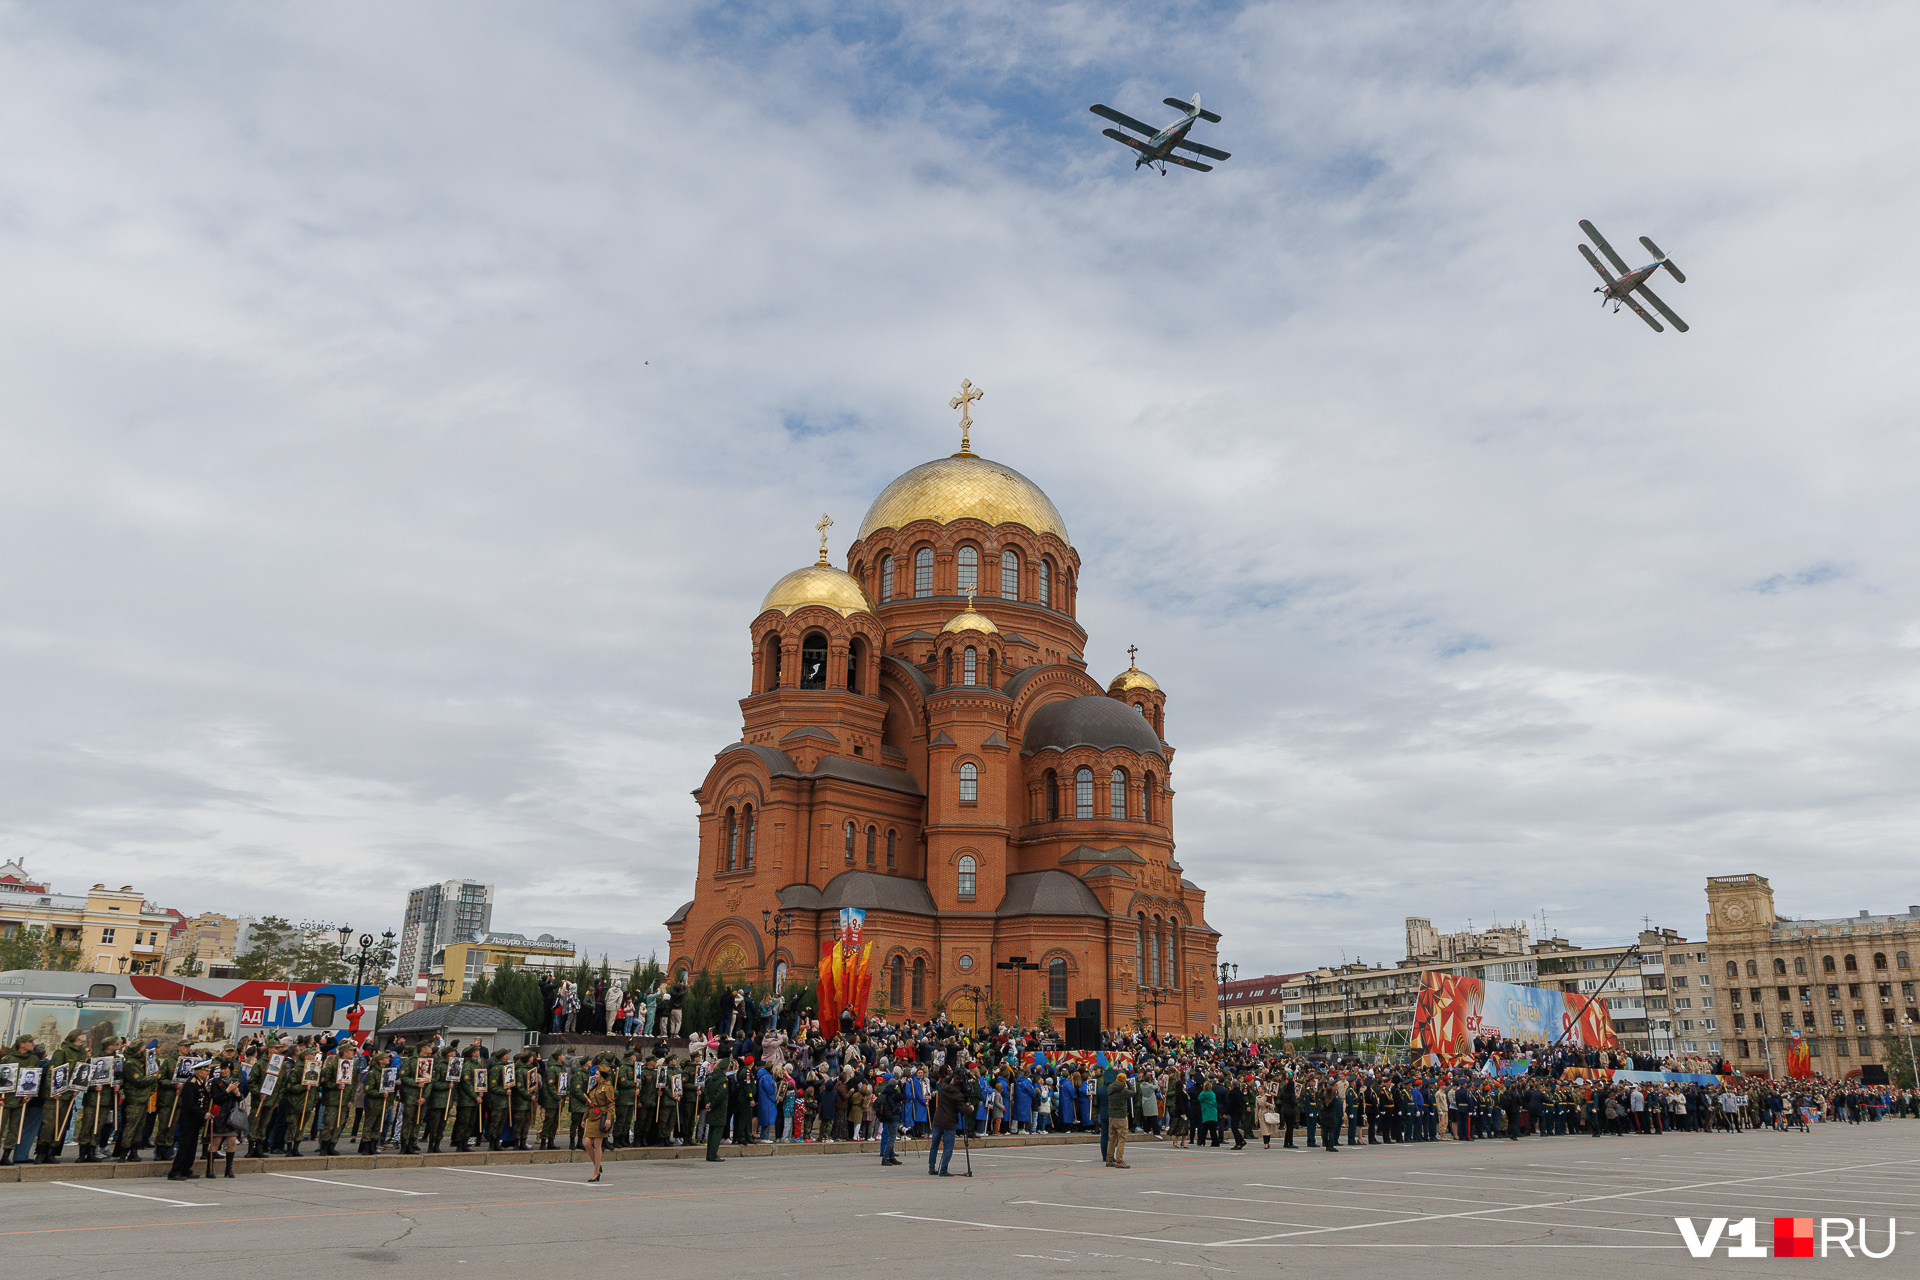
point(1160, 144)
point(1630, 280)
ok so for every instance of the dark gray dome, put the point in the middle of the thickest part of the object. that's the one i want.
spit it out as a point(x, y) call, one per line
point(1097, 722)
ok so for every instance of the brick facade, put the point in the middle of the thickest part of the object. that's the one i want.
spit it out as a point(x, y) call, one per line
point(930, 760)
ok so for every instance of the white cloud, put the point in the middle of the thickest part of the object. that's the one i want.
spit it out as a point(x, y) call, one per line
point(399, 409)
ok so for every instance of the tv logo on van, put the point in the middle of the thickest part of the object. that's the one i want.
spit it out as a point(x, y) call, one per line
point(1792, 1237)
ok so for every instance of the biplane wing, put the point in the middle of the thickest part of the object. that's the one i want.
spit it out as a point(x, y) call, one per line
point(1593, 234)
point(1203, 113)
point(1121, 119)
point(1118, 136)
point(1594, 263)
point(1662, 308)
point(1628, 299)
point(1206, 151)
point(1187, 164)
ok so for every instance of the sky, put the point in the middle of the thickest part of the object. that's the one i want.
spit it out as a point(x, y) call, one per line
point(405, 408)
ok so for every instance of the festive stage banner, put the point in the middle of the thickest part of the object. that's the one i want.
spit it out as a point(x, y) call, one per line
point(844, 980)
point(1453, 1010)
point(1645, 1077)
point(1078, 1060)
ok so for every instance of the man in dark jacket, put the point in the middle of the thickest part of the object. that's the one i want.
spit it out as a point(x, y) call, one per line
point(947, 1104)
point(192, 1108)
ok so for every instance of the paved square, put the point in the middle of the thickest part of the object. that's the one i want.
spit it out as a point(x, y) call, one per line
point(1575, 1205)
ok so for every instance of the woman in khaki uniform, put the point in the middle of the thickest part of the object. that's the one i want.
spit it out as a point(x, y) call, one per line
point(1266, 1111)
point(599, 1119)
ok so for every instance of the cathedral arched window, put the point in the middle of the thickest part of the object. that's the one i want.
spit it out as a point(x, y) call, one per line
point(733, 841)
point(1117, 795)
point(1173, 953)
point(968, 872)
point(897, 981)
point(946, 670)
point(1141, 707)
point(813, 661)
point(1010, 574)
point(1066, 590)
point(1083, 792)
point(1153, 951)
point(969, 783)
point(856, 655)
point(1053, 796)
point(1140, 952)
point(770, 665)
point(970, 667)
point(890, 839)
point(993, 669)
point(923, 572)
point(1057, 983)
point(746, 824)
point(852, 831)
point(1146, 800)
point(969, 563)
point(1046, 582)
point(919, 983)
point(873, 845)
point(886, 579)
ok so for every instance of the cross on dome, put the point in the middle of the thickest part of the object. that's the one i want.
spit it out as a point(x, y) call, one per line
point(964, 403)
point(826, 523)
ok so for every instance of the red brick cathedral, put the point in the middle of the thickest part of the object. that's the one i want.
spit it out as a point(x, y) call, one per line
point(922, 740)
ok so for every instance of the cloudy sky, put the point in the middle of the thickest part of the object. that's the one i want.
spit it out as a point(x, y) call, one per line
point(405, 408)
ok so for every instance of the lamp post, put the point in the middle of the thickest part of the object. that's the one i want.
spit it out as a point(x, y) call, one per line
point(365, 954)
point(1346, 1010)
point(1019, 965)
point(973, 991)
point(776, 927)
point(1913, 1068)
point(1226, 1027)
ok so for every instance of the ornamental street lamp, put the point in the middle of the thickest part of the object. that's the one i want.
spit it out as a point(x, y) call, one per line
point(365, 954)
point(777, 927)
point(1019, 966)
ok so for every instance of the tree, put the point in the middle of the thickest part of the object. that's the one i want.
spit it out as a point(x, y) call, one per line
point(189, 966)
point(318, 960)
point(702, 1000)
point(481, 991)
point(271, 947)
point(1896, 1052)
point(32, 947)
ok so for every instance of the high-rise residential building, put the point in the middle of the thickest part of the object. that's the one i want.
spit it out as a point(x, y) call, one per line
point(438, 914)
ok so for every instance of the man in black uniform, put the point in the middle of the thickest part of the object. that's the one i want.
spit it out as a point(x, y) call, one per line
point(192, 1101)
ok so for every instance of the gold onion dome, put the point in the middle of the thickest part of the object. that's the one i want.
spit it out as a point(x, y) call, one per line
point(820, 584)
point(1134, 678)
point(965, 486)
point(968, 620)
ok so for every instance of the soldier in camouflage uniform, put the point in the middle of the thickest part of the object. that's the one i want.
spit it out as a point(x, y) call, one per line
point(56, 1111)
point(439, 1100)
point(136, 1091)
point(625, 1092)
point(166, 1104)
point(577, 1105)
point(13, 1107)
point(468, 1091)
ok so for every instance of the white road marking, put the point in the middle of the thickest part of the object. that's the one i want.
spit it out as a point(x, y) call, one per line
point(489, 1173)
point(361, 1186)
point(109, 1191)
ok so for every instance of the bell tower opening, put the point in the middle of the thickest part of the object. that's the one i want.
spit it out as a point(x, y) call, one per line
point(813, 661)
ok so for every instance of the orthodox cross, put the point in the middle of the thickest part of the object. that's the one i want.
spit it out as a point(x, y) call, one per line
point(1133, 654)
point(964, 403)
point(826, 523)
point(970, 590)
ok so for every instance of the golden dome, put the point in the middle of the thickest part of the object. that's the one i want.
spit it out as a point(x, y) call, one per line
point(965, 486)
point(968, 620)
point(1134, 678)
point(820, 584)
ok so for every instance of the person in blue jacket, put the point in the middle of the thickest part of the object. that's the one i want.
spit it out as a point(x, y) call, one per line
point(766, 1104)
point(1021, 1111)
point(917, 1103)
point(1066, 1102)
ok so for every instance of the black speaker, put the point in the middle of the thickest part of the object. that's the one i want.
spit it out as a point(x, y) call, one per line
point(1088, 1011)
point(1872, 1073)
point(1083, 1033)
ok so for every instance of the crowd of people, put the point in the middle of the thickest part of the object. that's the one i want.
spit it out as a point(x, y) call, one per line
point(762, 1079)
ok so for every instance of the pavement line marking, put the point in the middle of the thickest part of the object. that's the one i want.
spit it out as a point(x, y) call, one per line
point(1554, 1204)
point(109, 1191)
point(358, 1185)
point(489, 1173)
point(1048, 1159)
point(1162, 1213)
point(1051, 1231)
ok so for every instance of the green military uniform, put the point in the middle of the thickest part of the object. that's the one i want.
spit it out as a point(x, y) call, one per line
point(333, 1100)
point(625, 1093)
point(497, 1104)
point(439, 1101)
point(519, 1098)
point(714, 1102)
point(136, 1091)
point(689, 1102)
point(647, 1090)
point(166, 1102)
point(467, 1092)
point(577, 1107)
point(303, 1107)
point(13, 1107)
point(376, 1108)
point(550, 1102)
point(56, 1111)
point(416, 1097)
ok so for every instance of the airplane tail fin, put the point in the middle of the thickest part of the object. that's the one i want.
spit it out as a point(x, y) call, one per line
point(1661, 258)
point(1193, 104)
